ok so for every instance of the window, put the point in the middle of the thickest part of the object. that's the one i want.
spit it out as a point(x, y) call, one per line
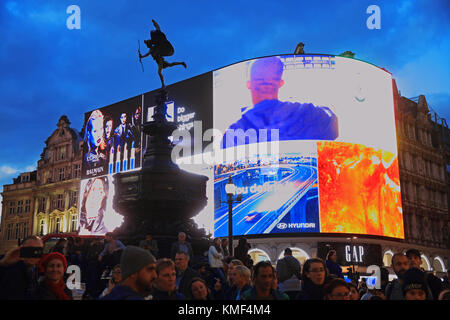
point(12, 205)
point(74, 223)
point(74, 201)
point(42, 204)
point(61, 153)
point(58, 224)
point(77, 170)
point(41, 228)
point(60, 201)
point(25, 229)
point(61, 174)
point(17, 231)
point(27, 206)
point(9, 232)
point(20, 206)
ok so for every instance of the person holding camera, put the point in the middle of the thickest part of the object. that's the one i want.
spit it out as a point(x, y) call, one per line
point(18, 270)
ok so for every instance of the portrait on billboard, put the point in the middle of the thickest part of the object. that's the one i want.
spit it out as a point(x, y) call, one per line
point(291, 120)
point(96, 213)
point(95, 158)
point(113, 139)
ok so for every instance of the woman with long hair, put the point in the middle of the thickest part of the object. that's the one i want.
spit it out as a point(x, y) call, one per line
point(94, 140)
point(93, 207)
point(53, 286)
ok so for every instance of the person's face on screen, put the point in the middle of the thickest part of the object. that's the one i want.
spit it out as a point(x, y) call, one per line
point(95, 136)
point(108, 128)
point(265, 81)
point(123, 118)
point(94, 199)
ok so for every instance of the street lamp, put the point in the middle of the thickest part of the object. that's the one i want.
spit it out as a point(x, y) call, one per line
point(230, 189)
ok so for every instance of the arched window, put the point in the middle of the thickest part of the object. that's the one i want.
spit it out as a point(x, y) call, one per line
point(425, 263)
point(438, 265)
point(298, 254)
point(58, 225)
point(42, 227)
point(387, 258)
point(258, 255)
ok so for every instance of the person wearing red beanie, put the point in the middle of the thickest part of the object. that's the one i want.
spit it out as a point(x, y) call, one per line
point(53, 286)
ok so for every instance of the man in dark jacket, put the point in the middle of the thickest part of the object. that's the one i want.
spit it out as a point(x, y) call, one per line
point(289, 274)
point(19, 276)
point(184, 273)
point(138, 274)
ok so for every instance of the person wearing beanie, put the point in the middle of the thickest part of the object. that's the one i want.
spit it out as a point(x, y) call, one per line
point(138, 274)
point(414, 285)
point(53, 286)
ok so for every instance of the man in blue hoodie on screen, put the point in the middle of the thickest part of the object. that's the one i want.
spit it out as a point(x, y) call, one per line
point(294, 121)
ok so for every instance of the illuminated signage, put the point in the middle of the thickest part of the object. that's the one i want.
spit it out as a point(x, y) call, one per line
point(352, 254)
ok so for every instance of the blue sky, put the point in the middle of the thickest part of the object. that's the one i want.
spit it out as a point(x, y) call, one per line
point(47, 70)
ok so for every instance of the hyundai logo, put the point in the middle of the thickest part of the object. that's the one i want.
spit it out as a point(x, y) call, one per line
point(282, 225)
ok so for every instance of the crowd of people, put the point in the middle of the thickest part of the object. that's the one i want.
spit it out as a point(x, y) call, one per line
point(113, 271)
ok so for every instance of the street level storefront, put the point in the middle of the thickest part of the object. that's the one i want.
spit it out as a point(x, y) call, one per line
point(353, 253)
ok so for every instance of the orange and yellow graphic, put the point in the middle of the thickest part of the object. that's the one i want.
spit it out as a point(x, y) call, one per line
point(359, 190)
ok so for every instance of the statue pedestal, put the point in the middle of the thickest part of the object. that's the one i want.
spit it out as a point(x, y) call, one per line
point(160, 199)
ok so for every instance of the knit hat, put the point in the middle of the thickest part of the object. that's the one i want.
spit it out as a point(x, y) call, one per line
point(414, 279)
point(49, 257)
point(133, 259)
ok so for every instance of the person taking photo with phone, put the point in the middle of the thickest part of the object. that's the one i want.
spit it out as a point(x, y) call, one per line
point(116, 278)
point(18, 270)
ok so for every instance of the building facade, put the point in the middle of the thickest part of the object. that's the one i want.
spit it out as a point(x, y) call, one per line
point(58, 180)
point(52, 192)
point(17, 210)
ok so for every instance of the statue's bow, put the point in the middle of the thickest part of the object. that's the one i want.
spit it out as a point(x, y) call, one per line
point(139, 51)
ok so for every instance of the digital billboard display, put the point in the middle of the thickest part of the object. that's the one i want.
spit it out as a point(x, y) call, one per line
point(112, 144)
point(335, 166)
point(113, 138)
point(309, 141)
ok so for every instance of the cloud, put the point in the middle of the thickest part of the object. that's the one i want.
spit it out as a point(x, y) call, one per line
point(6, 170)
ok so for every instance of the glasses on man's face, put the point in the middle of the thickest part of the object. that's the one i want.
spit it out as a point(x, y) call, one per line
point(317, 270)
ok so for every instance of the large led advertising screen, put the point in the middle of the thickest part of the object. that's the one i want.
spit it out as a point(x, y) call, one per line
point(308, 140)
point(112, 144)
point(335, 165)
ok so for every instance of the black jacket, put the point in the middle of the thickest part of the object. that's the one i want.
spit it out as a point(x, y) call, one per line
point(17, 282)
point(187, 276)
point(310, 291)
point(164, 295)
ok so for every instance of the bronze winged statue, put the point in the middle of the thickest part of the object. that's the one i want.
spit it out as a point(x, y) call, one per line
point(159, 47)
